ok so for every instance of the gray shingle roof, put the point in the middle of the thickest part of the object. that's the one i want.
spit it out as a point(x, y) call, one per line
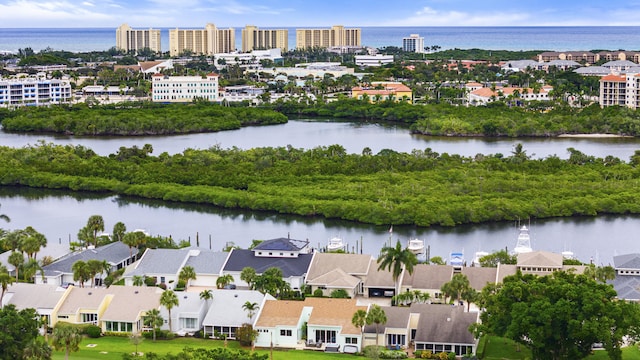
point(40, 296)
point(240, 258)
point(444, 324)
point(397, 318)
point(627, 287)
point(281, 244)
point(427, 276)
point(593, 70)
point(159, 261)
point(627, 261)
point(208, 262)
point(226, 307)
point(113, 253)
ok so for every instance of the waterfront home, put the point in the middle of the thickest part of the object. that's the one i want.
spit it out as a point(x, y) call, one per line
point(544, 263)
point(117, 255)
point(627, 279)
point(397, 333)
point(383, 91)
point(291, 256)
point(380, 283)
point(486, 95)
point(334, 271)
point(226, 313)
point(281, 323)
point(43, 298)
point(114, 309)
point(444, 328)
point(187, 316)
point(164, 265)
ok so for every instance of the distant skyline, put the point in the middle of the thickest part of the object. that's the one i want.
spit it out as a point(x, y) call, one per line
point(303, 13)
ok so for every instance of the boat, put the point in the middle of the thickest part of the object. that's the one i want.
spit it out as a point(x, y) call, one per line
point(456, 259)
point(416, 246)
point(476, 258)
point(567, 254)
point(524, 242)
point(335, 244)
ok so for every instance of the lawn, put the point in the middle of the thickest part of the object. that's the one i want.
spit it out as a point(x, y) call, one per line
point(112, 348)
point(505, 349)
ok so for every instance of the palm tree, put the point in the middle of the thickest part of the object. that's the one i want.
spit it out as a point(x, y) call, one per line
point(138, 280)
point(80, 272)
point(95, 224)
point(119, 229)
point(66, 337)
point(95, 267)
point(359, 319)
point(37, 349)
point(30, 268)
point(224, 280)
point(4, 217)
point(5, 281)
point(187, 273)
point(396, 259)
point(169, 300)
point(206, 295)
point(32, 242)
point(250, 308)
point(248, 275)
point(154, 320)
point(16, 259)
point(376, 316)
point(457, 286)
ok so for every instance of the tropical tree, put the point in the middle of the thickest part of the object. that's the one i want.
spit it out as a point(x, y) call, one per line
point(224, 280)
point(17, 260)
point(66, 337)
point(187, 273)
point(169, 300)
point(559, 316)
point(95, 224)
point(138, 280)
point(359, 319)
point(119, 229)
point(206, 295)
point(5, 281)
point(19, 328)
point(80, 272)
point(271, 282)
point(251, 308)
point(154, 320)
point(396, 259)
point(437, 260)
point(32, 241)
point(600, 273)
point(133, 239)
point(248, 275)
point(376, 315)
point(498, 257)
point(30, 268)
point(456, 287)
point(4, 217)
point(95, 267)
point(37, 349)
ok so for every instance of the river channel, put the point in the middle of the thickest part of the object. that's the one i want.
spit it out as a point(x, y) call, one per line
point(60, 214)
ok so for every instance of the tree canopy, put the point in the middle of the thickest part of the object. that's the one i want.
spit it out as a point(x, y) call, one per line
point(18, 328)
point(559, 316)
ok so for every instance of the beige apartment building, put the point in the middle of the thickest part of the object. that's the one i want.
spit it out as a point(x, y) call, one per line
point(207, 41)
point(128, 39)
point(337, 35)
point(264, 39)
point(620, 90)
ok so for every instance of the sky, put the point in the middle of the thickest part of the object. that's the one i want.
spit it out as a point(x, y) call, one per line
point(313, 13)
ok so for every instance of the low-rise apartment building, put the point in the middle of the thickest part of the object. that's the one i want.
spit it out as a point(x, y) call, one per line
point(31, 91)
point(620, 90)
point(382, 91)
point(176, 89)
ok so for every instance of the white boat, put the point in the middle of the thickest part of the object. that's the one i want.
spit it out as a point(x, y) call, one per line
point(416, 246)
point(476, 258)
point(335, 243)
point(456, 259)
point(524, 242)
point(567, 255)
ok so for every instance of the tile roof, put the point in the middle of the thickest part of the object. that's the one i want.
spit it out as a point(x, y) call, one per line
point(354, 264)
point(113, 253)
point(334, 312)
point(82, 298)
point(226, 307)
point(335, 278)
point(36, 296)
point(241, 258)
point(444, 324)
point(280, 313)
point(613, 78)
point(128, 302)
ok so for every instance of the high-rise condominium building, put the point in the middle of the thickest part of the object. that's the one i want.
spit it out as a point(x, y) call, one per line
point(620, 90)
point(207, 41)
point(264, 39)
point(336, 36)
point(413, 43)
point(128, 39)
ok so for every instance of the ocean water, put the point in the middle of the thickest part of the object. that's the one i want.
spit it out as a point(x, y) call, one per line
point(493, 38)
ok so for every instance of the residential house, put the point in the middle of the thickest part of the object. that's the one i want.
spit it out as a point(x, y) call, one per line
point(333, 271)
point(42, 297)
point(381, 91)
point(116, 254)
point(544, 263)
point(379, 283)
point(291, 256)
point(443, 328)
point(428, 279)
point(114, 309)
point(165, 265)
point(627, 280)
point(225, 313)
point(187, 317)
point(328, 323)
point(486, 95)
point(397, 333)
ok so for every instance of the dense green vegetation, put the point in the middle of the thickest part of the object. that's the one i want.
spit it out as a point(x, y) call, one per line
point(495, 120)
point(422, 188)
point(143, 118)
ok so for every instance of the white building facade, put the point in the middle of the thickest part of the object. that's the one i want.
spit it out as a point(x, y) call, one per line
point(180, 89)
point(621, 90)
point(33, 91)
point(413, 43)
point(373, 60)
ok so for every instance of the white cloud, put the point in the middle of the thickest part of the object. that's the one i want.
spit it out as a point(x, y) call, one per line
point(87, 3)
point(49, 13)
point(431, 17)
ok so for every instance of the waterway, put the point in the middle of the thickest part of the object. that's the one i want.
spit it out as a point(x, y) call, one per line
point(59, 215)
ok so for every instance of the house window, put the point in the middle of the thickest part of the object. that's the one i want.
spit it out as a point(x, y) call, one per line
point(189, 323)
point(351, 340)
point(326, 336)
point(162, 280)
point(89, 318)
point(285, 332)
point(396, 339)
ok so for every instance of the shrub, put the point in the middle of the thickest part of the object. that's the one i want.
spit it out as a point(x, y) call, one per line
point(372, 351)
point(93, 331)
point(393, 354)
point(340, 293)
point(246, 334)
point(150, 281)
point(162, 286)
point(318, 293)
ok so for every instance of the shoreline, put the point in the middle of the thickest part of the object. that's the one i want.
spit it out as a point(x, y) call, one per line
point(594, 136)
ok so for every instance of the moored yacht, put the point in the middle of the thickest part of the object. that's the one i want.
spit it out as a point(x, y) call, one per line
point(524, 242)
